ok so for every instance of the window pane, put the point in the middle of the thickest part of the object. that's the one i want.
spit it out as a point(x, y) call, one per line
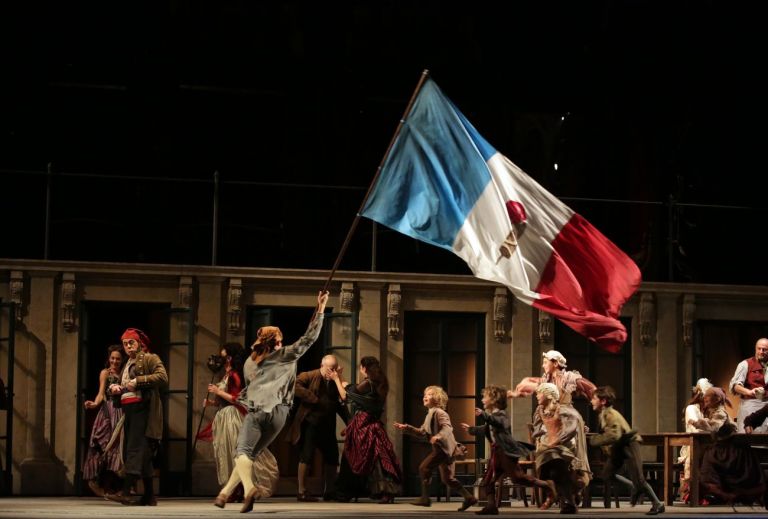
point(462, 410)
point(461, 373)
point(460, 334)
point(611, 370)
point(421, 332)
point(422, 370)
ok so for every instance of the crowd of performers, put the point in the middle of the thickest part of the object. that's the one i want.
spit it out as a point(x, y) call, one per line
point(255, 400)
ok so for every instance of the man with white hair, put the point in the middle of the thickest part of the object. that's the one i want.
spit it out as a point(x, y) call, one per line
point(314, 426)
point(555, 429)
point(750, 382)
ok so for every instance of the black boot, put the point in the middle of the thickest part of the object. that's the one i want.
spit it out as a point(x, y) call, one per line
point(469, 499)
point(125, 498)
point(148, 498)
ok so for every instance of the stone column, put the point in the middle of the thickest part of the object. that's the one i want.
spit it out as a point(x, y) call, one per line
point(41, 472)
point(211, 334)
point(667, 406)
point(525, 363)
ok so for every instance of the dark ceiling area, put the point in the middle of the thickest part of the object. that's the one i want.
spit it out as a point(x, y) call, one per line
point(645, 117)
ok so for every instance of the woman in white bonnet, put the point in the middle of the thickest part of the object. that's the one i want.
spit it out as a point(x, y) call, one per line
point(705, 412)
point(691, 417)
point(567, 383)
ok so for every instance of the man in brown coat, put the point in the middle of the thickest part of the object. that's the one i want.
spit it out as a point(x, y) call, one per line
point(139, 394)
point(315, 424)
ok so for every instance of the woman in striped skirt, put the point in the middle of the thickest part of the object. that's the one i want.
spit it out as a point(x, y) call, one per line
point(104, 453)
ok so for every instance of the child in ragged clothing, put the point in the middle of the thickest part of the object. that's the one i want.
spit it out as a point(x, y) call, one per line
point(437, 429)
point(505, 450)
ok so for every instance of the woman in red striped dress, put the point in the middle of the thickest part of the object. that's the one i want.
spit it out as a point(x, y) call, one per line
point(104, 453)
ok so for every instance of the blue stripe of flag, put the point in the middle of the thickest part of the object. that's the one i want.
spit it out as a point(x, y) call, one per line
point(434, 173)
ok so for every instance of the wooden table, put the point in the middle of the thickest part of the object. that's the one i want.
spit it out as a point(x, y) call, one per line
point(696, 443)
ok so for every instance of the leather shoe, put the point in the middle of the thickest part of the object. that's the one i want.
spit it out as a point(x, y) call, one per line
point(220, 501)
point(248, 500)
point(488, 510)
point(132, 501)
point(547, 504)
point(95, 488)
point(656, 510)
point(148, 501)
point(117, 498)
point(306, 497)
point(467, 503)
point(552, 489)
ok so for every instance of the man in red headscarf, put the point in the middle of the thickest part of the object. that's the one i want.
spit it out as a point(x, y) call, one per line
point(139, 392)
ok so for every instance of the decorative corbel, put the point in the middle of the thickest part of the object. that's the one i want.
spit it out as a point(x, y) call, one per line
point(347, 298)
point(647, 318)
point(545, 327)
point(689, 315)
point(394, 299)
point(185, 292)
point(234, 293)
point(68, 301)
point(17, 292)
point(500, 310)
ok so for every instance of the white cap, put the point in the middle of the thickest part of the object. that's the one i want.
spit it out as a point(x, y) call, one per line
point(704, 384)
point(556, 356)
point(549, 390)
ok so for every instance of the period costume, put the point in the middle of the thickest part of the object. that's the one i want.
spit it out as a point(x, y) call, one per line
point(223, 432)
point(143, 410)
point(693, 420)
point(730, 469)
point(503, 461)
point(556, 428)
point(752, 374)
point(314, 425)
point(621, 446)
point(441, 456)
point(568, 384)
point(369, 465)
point(268, 396)
point(105, 445)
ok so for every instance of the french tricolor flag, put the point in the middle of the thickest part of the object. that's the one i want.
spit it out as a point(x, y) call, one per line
point(444, 184)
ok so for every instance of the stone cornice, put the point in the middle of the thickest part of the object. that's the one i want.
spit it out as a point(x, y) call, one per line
point(163, 273)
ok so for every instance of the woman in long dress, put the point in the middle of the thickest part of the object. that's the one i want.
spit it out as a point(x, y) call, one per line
point(369, 465)
point(569, 384)
point(692, 418)
point(104, 452)
point(225, 427)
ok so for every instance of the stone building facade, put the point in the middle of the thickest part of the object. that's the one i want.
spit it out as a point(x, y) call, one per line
point(677, 331)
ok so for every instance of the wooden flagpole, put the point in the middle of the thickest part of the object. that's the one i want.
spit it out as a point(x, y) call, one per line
point(424, 76)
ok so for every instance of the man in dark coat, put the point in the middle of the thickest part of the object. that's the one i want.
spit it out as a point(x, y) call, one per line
point(314, 426)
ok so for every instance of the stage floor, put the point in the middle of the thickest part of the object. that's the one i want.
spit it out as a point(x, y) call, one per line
point(71, 507)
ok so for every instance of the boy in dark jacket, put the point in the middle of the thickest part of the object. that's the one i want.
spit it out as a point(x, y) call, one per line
point(505, 450)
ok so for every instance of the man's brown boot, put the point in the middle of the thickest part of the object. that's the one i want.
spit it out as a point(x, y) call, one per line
point(424, 499)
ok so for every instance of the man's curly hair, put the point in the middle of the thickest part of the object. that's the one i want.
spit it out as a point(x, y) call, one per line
point(498, 395)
